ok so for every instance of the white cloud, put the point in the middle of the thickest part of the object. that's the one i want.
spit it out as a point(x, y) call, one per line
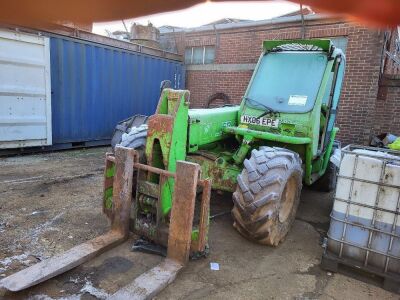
point(206, 13)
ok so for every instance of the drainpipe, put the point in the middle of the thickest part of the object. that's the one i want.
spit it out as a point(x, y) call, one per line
point(303, 28)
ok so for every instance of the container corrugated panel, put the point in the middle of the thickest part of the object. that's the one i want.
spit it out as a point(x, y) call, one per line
point(25, 101)
point(95, 86)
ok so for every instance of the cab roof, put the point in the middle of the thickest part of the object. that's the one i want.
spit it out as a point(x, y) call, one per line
point(298, 45)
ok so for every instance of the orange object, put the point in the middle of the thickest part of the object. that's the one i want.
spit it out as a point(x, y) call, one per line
point(374, 13)
point(44, 13)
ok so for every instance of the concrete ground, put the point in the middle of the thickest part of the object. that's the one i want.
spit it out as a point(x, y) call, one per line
point(51, 202)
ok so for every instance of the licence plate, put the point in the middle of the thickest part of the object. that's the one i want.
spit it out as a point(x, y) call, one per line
point(267, 122)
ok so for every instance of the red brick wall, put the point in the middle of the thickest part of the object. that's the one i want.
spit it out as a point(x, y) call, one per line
point(387, 111)
point(358, 107)
point(360, 86)
point(203, 84)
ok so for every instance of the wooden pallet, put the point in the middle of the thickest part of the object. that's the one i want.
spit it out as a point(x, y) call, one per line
point(389, 281)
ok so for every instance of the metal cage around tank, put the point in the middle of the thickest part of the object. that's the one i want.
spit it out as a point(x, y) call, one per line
point(365, 224)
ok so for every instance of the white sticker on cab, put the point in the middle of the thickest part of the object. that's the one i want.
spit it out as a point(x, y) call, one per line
point(297, 100)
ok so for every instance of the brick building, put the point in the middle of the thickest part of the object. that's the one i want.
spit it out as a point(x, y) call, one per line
point(221, 57)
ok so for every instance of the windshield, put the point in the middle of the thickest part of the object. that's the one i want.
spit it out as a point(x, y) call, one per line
point(287, 81)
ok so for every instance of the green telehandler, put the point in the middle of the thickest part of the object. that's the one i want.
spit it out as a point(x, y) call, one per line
point(280, 136)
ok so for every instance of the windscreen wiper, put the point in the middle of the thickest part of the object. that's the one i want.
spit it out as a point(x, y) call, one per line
point(267, 108)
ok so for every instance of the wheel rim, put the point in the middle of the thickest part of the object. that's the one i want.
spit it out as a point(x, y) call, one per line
point(287, 199)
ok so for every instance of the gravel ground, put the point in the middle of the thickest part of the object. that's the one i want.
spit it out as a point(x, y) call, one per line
point(51, 202)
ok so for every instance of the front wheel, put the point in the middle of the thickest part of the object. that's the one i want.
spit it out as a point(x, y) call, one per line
point(267, 195)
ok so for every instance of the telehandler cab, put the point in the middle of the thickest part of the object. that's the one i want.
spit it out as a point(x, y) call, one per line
point(281, 135)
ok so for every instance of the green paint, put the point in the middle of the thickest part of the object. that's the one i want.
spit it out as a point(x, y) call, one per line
point(195, 235)
point(221, 170)
point(108, 193)
point(165, 146)
point(206, 126)
point(244, 148)
point(268, 135)
point(110, 172)
point(328, 152)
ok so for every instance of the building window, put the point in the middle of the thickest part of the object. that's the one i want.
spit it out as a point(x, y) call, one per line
point(199, 55)
point(340, 42)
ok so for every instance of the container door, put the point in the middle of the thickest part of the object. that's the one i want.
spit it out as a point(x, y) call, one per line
point(25, 100)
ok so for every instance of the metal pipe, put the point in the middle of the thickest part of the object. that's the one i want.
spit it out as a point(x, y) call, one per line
point(268, 136)
point(153, 170)
point(303, 28)
point(361, 247)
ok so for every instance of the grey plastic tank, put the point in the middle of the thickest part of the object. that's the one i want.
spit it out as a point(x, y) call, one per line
point(365, 223)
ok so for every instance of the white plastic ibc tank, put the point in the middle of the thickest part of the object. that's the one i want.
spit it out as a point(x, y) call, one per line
point(365, 226)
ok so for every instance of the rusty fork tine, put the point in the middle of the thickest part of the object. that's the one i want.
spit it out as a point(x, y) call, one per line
point(149, 284)
point(153, 281)
point(122, 196)
point(61, 263)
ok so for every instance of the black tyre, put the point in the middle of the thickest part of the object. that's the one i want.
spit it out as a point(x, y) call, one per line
point(137, 141)
point(327, 182)
point(267, 195)
point(126, 126)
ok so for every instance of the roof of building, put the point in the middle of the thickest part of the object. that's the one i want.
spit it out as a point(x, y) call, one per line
point(247, 23)
point(169, 28)
point(226, 21)
point(305, 11)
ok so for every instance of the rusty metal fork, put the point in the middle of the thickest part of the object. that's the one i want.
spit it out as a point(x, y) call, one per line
point(122, 199)
point(150, 283)
point(147, 285)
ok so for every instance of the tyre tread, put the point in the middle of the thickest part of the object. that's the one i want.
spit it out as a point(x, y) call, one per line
point(266, 171)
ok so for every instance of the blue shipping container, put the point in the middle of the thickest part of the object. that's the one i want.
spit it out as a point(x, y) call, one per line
point(95, 86)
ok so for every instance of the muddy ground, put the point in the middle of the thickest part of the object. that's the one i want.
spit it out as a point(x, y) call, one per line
point(51, 202)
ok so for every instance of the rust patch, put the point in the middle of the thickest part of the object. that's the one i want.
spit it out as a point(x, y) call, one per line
point(160, 127)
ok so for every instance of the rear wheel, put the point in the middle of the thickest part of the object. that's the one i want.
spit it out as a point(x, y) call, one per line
point(327, 182)
point(133, 131)
point(267, 195)
point(135, 139)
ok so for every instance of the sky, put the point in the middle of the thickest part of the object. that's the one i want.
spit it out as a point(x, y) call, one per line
point(206, 12)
